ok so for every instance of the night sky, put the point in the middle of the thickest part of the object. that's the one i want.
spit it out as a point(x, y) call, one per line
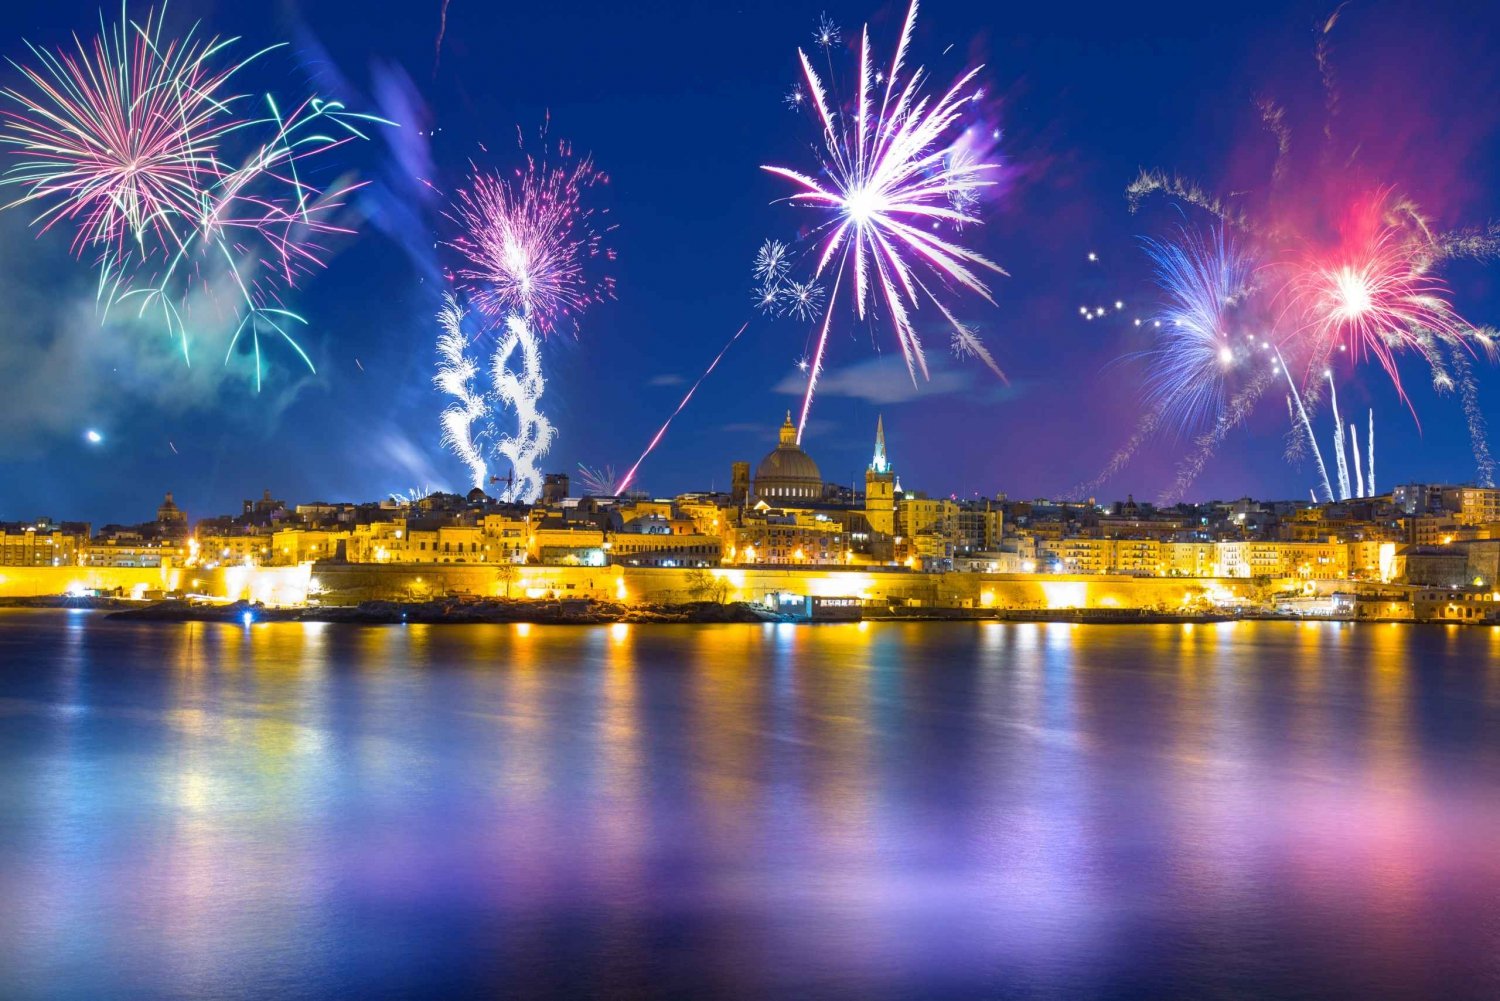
point(680, 104)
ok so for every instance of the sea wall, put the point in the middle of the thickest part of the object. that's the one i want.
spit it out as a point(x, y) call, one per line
point(271, 585)
point(352, 583)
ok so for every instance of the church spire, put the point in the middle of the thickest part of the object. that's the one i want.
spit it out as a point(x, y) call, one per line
point(879, 463)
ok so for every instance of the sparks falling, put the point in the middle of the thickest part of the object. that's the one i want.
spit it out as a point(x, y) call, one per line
point(885, 182)
point(516, 372)
point(456, 377)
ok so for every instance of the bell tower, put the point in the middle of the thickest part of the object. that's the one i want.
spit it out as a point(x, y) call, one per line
point(880, 487)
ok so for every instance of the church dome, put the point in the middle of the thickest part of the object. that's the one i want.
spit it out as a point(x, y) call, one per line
point(788, 473)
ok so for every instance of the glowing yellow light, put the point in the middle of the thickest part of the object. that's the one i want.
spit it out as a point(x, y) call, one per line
point(618, 631)
point(1064, 594)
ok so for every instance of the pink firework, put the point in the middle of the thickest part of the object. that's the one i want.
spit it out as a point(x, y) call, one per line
point(120, 137)
point(1371, 294)
point(135, 142)
point(531, 242)
point(888, 183)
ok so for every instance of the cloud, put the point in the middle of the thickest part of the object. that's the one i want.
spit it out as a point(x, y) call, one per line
point(66, 365)
point(883, 380)
point(666, 379)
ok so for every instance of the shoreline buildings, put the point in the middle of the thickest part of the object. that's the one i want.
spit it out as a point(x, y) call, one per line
point(1420, 539)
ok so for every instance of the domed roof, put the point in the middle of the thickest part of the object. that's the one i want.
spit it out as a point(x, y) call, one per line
point(787, 464)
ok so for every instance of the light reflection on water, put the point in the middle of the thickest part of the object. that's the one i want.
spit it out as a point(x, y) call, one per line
point(878, 810)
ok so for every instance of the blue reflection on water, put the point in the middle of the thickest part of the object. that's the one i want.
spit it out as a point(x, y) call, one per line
point(889, 810)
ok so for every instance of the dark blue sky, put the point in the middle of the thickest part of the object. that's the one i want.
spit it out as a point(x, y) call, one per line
point(680, 103)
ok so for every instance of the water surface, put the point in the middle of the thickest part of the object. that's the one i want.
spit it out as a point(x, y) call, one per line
point(981, 810)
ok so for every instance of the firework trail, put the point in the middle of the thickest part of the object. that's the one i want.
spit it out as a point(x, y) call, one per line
point(1370, 445)
point(1478, 432)
point(599, 481)
point(1359, 475)
point(885, 180)
point(520, 389)
point(136, 143)
point(629, 478)
point(437, 48)
point(1311, 439)
point(531, 244)
point(456, 375)
point(1145, 429)
point(1340, 457)
point(1153, 182)
point(1234, 413)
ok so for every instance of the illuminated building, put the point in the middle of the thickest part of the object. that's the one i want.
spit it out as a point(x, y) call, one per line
point(41, 544)
point(880, 487)
point(787, 474)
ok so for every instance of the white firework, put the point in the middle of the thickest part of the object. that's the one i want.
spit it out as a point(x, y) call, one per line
point(455, 376)
point(772, 262)
point(804, 300)
point(886, 184)
point(827, 34)
point(768, 299)
point(520, 389)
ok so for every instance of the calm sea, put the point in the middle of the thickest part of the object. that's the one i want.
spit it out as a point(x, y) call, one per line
point(917, 811)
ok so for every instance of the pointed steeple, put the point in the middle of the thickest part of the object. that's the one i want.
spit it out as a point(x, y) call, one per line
point(879, 464)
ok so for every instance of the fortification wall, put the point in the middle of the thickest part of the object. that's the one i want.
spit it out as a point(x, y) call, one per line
point(351, 583)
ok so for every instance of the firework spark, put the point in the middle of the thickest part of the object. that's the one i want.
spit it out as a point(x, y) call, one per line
point(827, 33)
point(885, 181)
point(1372, 295)
point(772, 262)
point(456, 375)
point(598, 481)
point(1203, 278)
point(532, 244)
point(519, 389)
point(803, 300)
point(136, 142)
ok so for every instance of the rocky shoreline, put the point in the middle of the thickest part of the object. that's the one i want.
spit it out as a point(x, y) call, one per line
point(452, 611)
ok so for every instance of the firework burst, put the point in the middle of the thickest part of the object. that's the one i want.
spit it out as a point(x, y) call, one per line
point(1372, 295)
point(171, 181)
point(1203, 279)
point(886, 185)
point(599, 481)
point(531, 243)
point(803, 300)
point(1369, 291)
